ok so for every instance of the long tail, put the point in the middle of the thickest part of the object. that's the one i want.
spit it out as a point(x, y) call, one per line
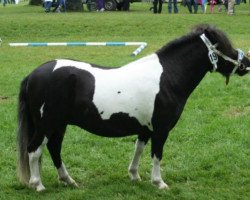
point(23, 135)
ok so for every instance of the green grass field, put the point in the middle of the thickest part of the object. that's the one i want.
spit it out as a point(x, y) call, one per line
point(207, 155)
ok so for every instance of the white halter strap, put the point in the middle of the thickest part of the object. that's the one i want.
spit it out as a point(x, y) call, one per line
point(211, 51)
point(213, 54)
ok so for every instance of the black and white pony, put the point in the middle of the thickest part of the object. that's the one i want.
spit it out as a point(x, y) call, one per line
point(145, 98)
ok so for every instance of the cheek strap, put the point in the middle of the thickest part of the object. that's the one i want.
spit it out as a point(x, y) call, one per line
point(213, 54)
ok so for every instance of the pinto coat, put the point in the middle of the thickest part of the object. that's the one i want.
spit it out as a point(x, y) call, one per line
point(145, 97)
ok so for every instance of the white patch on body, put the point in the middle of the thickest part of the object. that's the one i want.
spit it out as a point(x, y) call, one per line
point(41, 110)
point(130, 89)
point(35, 179)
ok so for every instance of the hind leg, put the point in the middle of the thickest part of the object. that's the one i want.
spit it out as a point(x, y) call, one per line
point(54, 146)
point(65, 177)
point(34, 152)
point(133, 167)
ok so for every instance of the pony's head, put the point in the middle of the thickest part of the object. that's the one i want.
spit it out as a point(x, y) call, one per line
point(223, 57)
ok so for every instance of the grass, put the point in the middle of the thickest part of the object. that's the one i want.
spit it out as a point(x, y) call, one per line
point(207, 153)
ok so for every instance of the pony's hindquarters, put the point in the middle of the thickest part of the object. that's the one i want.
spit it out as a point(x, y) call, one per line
point(23, 135)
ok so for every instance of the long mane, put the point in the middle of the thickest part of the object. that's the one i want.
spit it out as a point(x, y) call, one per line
point(215, 35)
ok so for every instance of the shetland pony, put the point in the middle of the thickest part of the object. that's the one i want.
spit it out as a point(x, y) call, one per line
point(145, 97)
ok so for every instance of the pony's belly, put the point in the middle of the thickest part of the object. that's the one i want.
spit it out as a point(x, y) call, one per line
point(118, 125)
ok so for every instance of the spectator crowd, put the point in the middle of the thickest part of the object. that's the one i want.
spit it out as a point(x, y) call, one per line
point(172, 7)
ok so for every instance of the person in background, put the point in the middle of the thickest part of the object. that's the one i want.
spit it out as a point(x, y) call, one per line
point(193, 3)
point(212, 4)
point(230, 8)
point(203, 5)
point(170, 6)
point(226, 5)
point(237, 2)
point(100, 5)
point(126, 5)
point(155, 3)
point(220, 4)
point(4, 2)
point(60, 6)
point(47, 5)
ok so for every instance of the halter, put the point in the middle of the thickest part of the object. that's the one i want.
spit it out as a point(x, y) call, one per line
point(213, 54)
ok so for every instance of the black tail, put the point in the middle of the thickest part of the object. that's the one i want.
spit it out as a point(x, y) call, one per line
point(23, 135)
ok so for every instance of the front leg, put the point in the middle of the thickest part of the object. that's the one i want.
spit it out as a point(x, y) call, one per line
point(65, 177)
point(158, 141)
point(156, 175)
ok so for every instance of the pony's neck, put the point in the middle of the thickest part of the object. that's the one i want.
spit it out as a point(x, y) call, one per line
point(185, 65)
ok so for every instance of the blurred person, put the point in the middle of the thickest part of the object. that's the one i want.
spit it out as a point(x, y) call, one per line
point(4, 2)
point(60, 6)
point(155, 3)
point(126, 5)
point(192, 3)
point(170, 6)
point(100, 5)
point(212, 4)
point(230, 7)
point(47, 5)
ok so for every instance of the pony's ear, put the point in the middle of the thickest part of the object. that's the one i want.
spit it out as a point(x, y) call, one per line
point(206, 32)
point(215, 39)
point(210, 36)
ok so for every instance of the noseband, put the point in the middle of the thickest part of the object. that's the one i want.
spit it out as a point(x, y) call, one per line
point(213, 54)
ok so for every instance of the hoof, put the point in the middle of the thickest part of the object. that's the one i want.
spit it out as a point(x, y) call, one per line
point(40, 188)
point(36, 183)
point(160, 184)
point(74, 184)
point(135, 178)
point(134, 175)
point(68, 181)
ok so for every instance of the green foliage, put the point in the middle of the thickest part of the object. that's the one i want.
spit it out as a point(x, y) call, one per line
point(207, 153)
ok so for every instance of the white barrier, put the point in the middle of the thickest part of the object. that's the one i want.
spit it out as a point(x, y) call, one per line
point(141, 45)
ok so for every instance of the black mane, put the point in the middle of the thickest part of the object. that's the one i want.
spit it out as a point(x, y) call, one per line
point(215, 35)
